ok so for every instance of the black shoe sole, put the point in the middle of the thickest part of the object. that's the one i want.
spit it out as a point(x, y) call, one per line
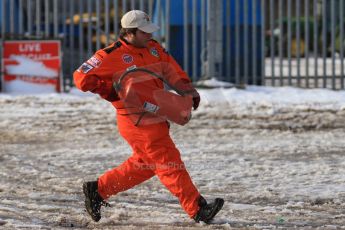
point(218, 206)
point(88, 203)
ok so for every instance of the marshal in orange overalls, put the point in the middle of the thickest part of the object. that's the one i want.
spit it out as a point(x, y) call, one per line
point(154, 152)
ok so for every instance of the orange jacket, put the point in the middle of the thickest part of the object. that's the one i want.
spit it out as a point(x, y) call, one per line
point(97, 74)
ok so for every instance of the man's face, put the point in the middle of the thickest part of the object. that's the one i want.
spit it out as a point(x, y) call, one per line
point(139, 39)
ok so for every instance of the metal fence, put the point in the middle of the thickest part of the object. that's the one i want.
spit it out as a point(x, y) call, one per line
point(305, 43)
point(263, 42)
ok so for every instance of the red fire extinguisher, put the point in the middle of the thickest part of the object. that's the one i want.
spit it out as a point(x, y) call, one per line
point(142, 93)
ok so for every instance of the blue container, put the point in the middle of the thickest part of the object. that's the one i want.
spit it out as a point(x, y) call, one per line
point(176, 38)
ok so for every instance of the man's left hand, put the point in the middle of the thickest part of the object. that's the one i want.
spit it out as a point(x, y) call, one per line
point(196, 99)
point(184, 87)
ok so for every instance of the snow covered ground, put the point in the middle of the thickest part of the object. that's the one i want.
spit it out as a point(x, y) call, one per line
point(276, 155)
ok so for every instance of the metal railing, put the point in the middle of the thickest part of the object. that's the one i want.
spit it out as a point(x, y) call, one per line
point(306, 43)
point(263, 42)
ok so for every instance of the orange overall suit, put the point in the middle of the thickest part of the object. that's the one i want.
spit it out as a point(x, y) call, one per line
point(154, 152)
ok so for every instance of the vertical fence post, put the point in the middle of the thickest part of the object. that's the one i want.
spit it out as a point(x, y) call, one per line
point(2, 39)
point(116, 18)
point(272, 40)
point(215, 38)
point(159, 20)
point(55, 18)
point(38, 18)
point(64, 41)
point(228, 41)
point(167, 24)
point(341, 15)
point(46, 18)
point(185, 36)
point(71, 40)
point(98, 25)
point(315, 22)
point(324, 43)
point(298, 40)
point(11, 13)
point(20, 19)
point(254, 39)
point(237, 42)
point(3, 22)
point(263, 51)
point(194, 40)
point(106, 20)
point(142, 7)
point(29, 21)
point(289, 35)
point(245, 42)
point(333, 42)
point(124, 7)
point(89, 28)
point(306, 36)
point(3, 18)
point(81, 32)
point(150, 7)
point(280, 5)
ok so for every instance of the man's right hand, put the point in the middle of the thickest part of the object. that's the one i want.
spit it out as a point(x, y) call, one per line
point(102, 87)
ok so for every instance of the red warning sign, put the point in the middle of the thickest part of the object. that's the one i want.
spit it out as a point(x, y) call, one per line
point(31, 66)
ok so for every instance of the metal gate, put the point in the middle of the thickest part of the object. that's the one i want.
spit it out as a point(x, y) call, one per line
point(305, 43)
point(262, 42)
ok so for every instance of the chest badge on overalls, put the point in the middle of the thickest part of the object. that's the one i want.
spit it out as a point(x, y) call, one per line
point(154, 52)
point(127, 58)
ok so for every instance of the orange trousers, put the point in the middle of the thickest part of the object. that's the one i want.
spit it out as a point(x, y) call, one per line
point(154, 153)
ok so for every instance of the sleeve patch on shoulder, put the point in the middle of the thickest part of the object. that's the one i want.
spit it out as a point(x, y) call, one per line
point(85, 68)
point(94, 61)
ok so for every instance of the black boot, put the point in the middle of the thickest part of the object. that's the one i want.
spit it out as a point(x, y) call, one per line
point(208, 211)
point(93, 201)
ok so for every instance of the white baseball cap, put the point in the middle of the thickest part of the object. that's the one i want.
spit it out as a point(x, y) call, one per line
point(138, 19)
